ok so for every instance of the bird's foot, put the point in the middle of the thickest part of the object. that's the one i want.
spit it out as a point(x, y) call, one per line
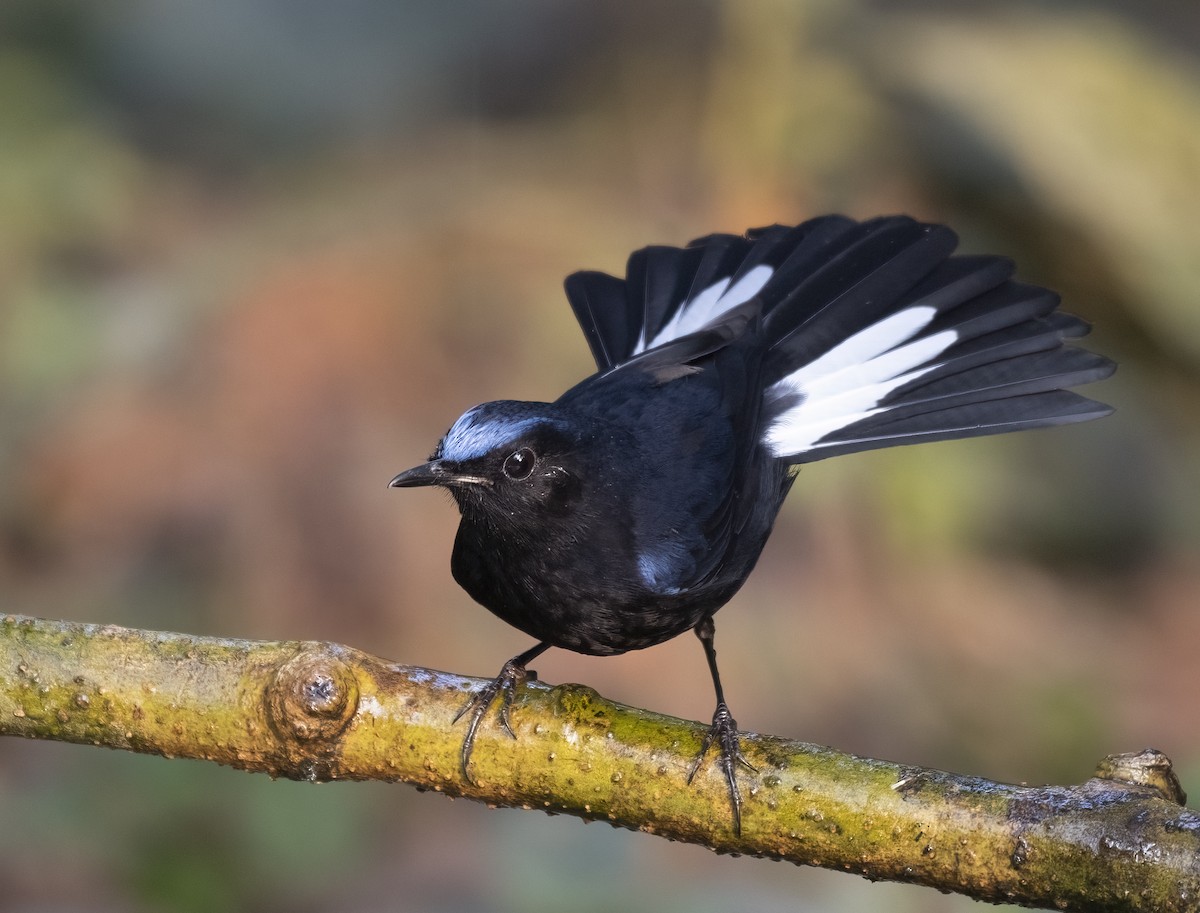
point(503, 685)
point(723, 732)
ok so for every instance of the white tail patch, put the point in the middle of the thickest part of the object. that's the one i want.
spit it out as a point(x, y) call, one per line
point(698, 312)
point(847, 383)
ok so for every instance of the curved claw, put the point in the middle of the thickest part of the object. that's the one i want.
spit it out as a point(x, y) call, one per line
point(724, 732)
point(504, 685)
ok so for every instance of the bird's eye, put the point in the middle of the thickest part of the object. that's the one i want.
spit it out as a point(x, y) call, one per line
point(519, 464)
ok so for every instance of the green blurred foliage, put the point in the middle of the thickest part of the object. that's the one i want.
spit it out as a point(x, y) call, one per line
point(256, 257)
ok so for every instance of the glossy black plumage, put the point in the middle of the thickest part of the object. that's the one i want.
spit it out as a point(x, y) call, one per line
point(634, 506)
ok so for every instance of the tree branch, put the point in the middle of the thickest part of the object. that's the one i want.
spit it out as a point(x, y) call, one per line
point(313, 711)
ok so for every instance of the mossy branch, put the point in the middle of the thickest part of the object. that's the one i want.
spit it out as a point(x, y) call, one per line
point(313, 711)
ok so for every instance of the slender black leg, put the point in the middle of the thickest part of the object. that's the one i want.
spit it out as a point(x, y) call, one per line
point(504, 685)
point(723, 730)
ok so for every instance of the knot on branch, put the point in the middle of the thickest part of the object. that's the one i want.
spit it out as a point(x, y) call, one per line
point(313, 697)
point(1148, 767)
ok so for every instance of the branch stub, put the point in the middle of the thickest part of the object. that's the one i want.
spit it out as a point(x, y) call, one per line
point(313, 697)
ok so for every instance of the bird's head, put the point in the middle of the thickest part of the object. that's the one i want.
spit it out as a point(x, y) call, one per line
point(505, 459)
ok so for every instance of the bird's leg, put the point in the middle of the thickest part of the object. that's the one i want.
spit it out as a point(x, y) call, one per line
point(504, 685)
point(723, 730)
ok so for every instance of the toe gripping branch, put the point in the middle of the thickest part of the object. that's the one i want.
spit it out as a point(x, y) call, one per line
point(723, 732)
point(503, 685)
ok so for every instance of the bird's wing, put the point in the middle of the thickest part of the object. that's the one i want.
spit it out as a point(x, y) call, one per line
point(702, 393)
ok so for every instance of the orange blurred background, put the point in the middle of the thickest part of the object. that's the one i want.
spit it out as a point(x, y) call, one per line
point(256, 257)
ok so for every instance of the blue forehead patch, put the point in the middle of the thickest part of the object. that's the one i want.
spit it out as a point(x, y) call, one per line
point(485, 428)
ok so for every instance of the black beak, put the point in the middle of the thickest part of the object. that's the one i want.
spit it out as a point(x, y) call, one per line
point(435, 472)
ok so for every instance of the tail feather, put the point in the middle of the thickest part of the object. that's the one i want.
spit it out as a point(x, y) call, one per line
point(959, 279)
point(609, 326)
point(1040, 335)
point(1070, 326)
point(952, 283)
point(1008, 305)
point(1040, 372)
point(872, 333)
point(941, 369)
point(1038, 410)
point(859, 284)
point(655, 276)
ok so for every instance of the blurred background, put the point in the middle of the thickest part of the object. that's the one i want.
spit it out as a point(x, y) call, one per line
point(255, 257)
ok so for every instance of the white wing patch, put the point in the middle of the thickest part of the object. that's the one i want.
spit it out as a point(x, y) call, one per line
point(847, 383)
point(698, 312)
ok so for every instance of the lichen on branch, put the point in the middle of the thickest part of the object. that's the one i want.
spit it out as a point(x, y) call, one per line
point(314, 711)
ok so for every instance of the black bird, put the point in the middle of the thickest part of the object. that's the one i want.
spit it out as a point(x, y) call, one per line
point(635, 505)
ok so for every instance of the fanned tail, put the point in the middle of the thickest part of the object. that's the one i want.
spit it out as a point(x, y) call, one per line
point(873, 333)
